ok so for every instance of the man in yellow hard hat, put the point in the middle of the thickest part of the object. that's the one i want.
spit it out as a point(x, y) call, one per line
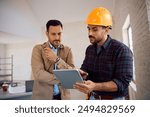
point(108, 62)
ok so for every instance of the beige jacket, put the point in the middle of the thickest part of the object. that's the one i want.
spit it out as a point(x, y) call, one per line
point(43, 74)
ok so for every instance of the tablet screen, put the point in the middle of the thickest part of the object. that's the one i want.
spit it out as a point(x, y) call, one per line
point(68, 77)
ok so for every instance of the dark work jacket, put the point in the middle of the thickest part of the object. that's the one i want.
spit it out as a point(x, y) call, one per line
point(114, 62)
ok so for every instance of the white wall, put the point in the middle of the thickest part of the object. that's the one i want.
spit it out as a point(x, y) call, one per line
point(2, 50)
point(16, 17)
point(2, 55)
point(21, 59)
point(76, 36)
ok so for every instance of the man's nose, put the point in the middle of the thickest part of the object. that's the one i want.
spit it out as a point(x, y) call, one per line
point(90, 33)
point(57, 36)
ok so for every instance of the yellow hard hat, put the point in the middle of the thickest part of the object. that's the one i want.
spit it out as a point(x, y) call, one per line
point(100, 16)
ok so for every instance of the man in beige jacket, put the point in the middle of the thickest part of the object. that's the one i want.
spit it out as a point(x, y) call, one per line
point(46, 57)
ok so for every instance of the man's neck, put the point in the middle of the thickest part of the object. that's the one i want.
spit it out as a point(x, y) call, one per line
point(101, 43)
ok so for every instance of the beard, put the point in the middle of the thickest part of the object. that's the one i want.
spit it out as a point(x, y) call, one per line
point(93, 40)
point(56, 43)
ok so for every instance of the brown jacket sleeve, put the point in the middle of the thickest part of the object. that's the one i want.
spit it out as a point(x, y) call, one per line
point(69, 64)
point(38, 67)
point(42, 67)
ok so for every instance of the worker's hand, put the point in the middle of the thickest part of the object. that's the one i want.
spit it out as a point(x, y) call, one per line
point(83, 74)
point(50, 55)
point(85, 87)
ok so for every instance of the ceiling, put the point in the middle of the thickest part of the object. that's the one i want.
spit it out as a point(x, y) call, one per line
point(66, 10)
point(26, 18)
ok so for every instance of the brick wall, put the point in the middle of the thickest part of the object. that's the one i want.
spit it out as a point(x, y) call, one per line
point(141, 39)
point(148, 11)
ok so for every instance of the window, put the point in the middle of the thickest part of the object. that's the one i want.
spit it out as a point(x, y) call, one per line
point(130, 45)
point(127, 40)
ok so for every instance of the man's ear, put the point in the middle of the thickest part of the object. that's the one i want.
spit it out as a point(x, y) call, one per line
point(107, 29)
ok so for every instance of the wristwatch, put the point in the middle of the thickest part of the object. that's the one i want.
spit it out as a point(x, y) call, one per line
point(57, 60)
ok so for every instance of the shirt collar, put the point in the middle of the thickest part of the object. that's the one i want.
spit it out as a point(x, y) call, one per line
point(107, 42)
point(52, 47)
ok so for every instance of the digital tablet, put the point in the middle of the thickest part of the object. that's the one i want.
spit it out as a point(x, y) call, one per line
point(68, 77)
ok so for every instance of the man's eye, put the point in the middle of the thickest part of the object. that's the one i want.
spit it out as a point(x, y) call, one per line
point(95, 30)
point(53, 34)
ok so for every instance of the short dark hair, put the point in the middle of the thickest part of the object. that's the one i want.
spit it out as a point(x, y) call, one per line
point(53, 23)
